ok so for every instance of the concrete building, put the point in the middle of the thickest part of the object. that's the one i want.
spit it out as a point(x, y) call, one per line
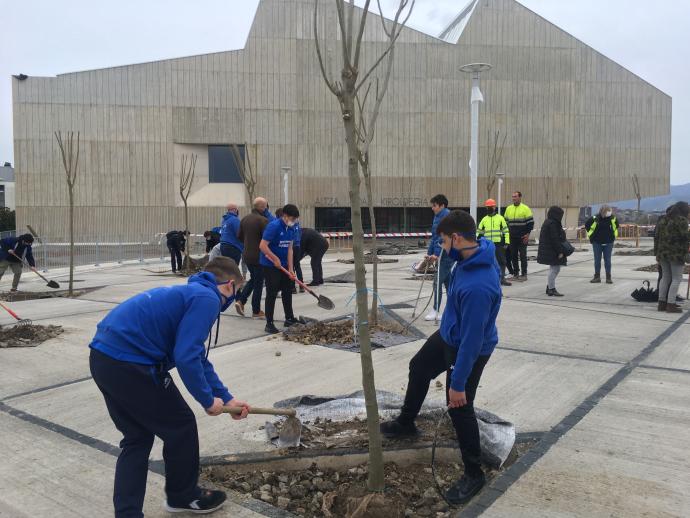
point(577, 125)
point(7, 186)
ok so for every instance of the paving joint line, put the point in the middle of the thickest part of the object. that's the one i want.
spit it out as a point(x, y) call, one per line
point(489, 496)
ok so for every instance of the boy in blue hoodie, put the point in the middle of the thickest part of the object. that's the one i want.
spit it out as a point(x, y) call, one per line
point(461, 347)
point(135, 346)
point(230, 244)
point(439, 206)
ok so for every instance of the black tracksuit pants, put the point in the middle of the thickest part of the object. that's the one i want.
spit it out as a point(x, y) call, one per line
point(276, 281)
point(297, 257)
point(144, 403)
point(433, 358)
point(518, 255)
point(175, 258)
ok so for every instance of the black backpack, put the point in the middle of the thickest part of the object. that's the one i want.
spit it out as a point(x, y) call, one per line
point(645, 294)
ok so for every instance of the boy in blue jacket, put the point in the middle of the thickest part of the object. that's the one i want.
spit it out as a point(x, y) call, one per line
point(135, 346)
point(12, 251)
point(230, 244)
point(439, 206)
point(461, 347)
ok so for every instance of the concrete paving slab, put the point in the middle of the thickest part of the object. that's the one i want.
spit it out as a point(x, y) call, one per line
point(627, 457)
point(37, 482)
point(674, 353)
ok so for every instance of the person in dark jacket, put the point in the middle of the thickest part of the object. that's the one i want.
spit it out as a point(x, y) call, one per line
point(13, 250)
point(297, 250)
point(212, 238)
point(315, 246)
point(175, 239)
point(602, 231)
point(252, 229)
point(461, 347)
point(551, 251)
point(230, 244)
point(671, 254)
point(132, 352)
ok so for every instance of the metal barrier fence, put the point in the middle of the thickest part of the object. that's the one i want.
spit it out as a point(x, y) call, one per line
point(51, 253)
point(7, 233)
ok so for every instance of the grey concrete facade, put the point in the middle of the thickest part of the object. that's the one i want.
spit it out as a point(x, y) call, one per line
point(578, 125)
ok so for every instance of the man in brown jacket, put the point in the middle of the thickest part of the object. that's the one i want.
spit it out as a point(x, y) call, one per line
point(251, 229)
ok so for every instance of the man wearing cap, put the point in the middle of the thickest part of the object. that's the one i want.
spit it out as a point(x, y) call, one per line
point(494, 228)
point(13, 251)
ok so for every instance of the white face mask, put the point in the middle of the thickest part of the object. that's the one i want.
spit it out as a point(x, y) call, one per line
point(290, 223)
point(608, 213)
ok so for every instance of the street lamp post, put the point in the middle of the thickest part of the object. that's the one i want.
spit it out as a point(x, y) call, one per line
point(475, 69)
point(286, 171)
point(500, 177)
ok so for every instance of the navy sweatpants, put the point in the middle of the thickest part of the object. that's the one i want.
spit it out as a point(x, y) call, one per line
point(144, 403)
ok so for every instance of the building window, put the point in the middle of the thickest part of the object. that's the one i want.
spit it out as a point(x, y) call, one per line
point(2, 196)
point(388, 219)
point(222, 167)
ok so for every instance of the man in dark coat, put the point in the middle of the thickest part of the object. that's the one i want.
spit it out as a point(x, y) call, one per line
point(315, 246)
point(551, 251)
point(176, 242)
point(13, 250)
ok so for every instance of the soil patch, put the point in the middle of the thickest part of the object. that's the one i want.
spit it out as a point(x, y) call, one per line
point(635, 252)
point(18, 296)
point(340, 334)
point(428, 277)
point(368, 259)
point(655, 268)
point(334, 493)
point(27, 336)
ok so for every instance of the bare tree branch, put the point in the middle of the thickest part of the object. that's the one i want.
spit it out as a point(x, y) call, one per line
point(331, 86)
point(360, 35)
point(340, 8)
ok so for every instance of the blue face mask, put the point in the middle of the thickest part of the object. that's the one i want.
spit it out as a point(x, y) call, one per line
point(228, 300)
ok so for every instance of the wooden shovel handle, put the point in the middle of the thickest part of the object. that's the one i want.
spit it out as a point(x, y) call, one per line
point(290, 412)
point(301, 284)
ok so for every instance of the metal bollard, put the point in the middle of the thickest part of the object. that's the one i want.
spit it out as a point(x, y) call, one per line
point(141, 250)
point(119, 250)
point(97, 255)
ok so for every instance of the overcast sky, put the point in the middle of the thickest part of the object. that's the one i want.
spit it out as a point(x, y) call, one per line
point(45, 38)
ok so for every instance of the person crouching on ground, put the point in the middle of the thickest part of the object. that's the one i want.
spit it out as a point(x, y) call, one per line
point(134, 348)
point(602, 231)
point(277, 255)
point(551, 251)
point(461, 347)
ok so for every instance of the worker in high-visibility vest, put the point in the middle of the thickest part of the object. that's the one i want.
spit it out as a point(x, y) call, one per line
point(520, 225)
point(494, 228)
point(602, 231)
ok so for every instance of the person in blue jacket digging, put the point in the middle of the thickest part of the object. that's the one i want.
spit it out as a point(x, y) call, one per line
point(461, 347)
point(134, 348)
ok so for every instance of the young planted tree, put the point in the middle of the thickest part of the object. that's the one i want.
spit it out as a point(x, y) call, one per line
point(244, 166)
point(70, 163)
point(187, 171)
point(346, 89)
point(494, 157)
point(638, 195)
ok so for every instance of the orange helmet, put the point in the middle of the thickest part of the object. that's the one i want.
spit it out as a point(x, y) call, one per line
point(490, 203)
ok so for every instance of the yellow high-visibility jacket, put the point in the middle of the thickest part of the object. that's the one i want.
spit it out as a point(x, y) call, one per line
point(520, 220)
point(494, 228)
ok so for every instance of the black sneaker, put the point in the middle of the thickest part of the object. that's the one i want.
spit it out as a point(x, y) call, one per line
point(464, 489)
point(506, 283)
point(271, 328)
point(396, 430)
point(208, 502)
point(314, 283)
point(291, 322)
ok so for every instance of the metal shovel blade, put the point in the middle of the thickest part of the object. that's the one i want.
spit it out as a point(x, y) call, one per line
point(290, 433)
point(325, 303)
point(53, 284)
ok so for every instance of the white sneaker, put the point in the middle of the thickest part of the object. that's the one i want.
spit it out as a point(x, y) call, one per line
point(432, 315)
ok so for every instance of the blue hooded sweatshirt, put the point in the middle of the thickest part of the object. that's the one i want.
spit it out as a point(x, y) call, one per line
point(469, 321)
point(435, 243)
point(230, 229)
point(168, 327)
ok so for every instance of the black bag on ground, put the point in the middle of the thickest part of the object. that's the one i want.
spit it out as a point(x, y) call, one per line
point(645, 294)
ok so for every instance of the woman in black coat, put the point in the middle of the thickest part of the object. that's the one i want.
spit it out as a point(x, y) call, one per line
point(551, 250)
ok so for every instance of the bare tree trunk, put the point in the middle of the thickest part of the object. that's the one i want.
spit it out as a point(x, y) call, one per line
point(374, 244)
point(187, 261)
point(70, 291)
point(375, 482)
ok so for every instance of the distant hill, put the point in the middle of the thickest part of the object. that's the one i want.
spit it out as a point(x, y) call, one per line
point(657, 203)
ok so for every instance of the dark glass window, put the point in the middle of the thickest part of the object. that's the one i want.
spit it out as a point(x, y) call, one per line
point(2, 196)
point(388, 219)
point(222, 167)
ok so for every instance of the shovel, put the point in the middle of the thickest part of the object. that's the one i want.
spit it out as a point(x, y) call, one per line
point(51, 284)
point(324, 302)
point(291, 431)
